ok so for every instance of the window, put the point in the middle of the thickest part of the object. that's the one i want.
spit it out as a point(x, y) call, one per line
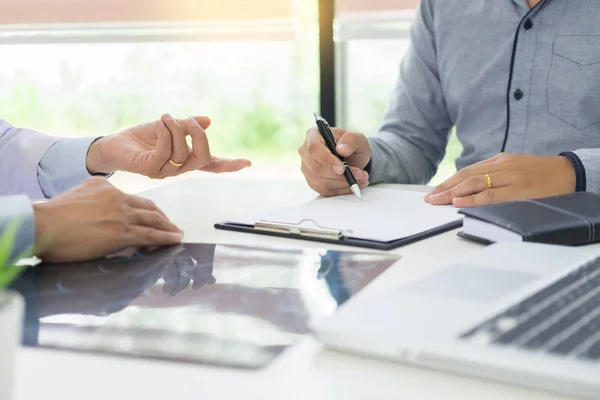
point(371, 40)
point(79, 67)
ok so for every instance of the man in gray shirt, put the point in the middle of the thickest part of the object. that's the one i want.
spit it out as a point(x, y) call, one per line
point(520, 81)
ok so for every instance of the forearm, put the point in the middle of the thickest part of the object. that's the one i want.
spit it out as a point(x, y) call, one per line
point(413, 137)
point(397, 159)
point(17, 221)
point(39, 165)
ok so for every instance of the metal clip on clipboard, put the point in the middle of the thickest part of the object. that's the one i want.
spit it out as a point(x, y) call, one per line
point(296, 229)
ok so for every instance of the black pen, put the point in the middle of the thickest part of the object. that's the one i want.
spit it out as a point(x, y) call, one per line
point(330, 141)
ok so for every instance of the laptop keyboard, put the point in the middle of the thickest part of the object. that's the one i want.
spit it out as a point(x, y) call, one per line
point(562, 319)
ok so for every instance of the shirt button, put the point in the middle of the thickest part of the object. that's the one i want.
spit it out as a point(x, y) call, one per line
point(528, 24)
point(518, 94)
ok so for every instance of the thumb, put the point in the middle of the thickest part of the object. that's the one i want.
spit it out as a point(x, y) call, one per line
point(350, 143)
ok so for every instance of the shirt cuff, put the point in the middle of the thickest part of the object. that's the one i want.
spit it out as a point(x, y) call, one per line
point(16, 218)
point(580, 176)
point(373, 168)
point(369, 167)
point(64, 166)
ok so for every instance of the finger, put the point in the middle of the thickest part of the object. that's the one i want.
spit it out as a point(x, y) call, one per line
point(331, 187)
point(183, 277)
point(146, 236)
point(490, 196)
point(337, 133)
point(179, 147)
point(487, 161)
point(331, 184)
point(336, 181)
point(203, 276)
point(203, 121)
point(170, 277)
point(199, 284)
point(464, 174)
point(162, 153)
point(320, 161)
point(166, 169)
point(473, 185)
point(331, 191)
point(359, 174)
point(315, 148)
point(200, 146)
point(140, 202)
point(314, 133)
point(153, 219)
point(222, 165)
point(352, 143)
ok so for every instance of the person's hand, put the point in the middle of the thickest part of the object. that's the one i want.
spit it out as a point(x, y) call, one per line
point(324, 172)
point(513, 177)
point(193, 264)
point(157, 149)
point(94, 220)
point(184, 270)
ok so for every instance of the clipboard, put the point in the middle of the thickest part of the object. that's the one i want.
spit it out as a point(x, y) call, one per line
point(331, 235)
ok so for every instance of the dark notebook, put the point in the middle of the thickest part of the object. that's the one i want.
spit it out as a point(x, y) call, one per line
point(572, 219)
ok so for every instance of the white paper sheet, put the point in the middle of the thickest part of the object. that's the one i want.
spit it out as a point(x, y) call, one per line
point(383, 214)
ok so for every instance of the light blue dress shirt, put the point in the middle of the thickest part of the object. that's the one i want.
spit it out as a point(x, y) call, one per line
point(34, 167)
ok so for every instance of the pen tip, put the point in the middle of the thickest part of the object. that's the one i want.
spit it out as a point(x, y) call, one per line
point(356, 191)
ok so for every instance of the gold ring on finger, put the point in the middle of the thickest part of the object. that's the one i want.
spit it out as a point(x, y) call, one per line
point(488, 178)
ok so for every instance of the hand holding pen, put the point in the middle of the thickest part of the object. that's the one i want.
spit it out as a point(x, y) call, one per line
point(325, 170)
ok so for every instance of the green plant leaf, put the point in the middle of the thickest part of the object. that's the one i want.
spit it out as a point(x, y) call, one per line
point(8, 272)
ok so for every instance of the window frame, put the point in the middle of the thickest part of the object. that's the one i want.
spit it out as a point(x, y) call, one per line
point(363, 25)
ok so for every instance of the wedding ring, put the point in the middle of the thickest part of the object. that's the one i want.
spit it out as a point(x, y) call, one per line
point(489, 182)
point(173, 163)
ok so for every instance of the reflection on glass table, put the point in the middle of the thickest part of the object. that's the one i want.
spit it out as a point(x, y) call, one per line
point(224, 305)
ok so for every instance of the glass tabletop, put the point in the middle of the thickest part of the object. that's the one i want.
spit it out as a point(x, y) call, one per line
point(225, 305)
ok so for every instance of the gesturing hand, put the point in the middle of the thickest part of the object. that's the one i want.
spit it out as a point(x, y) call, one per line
point(159, 149)
point(512, 177)
point(94, 220)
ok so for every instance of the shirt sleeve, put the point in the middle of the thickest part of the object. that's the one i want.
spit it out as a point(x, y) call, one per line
point(20, 153)
point(588, 174)
point(16, 215)
point(580, 174)
point(412, 139)
point(64, 166)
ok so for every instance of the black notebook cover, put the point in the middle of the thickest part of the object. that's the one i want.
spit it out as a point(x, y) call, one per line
point(572, 219)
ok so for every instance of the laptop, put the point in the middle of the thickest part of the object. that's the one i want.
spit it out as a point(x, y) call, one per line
point(519, 313)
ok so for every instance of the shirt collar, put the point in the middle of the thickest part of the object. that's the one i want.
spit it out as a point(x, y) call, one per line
point(522, 4)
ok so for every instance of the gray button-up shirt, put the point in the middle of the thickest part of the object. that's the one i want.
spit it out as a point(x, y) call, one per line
point(510, 78)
